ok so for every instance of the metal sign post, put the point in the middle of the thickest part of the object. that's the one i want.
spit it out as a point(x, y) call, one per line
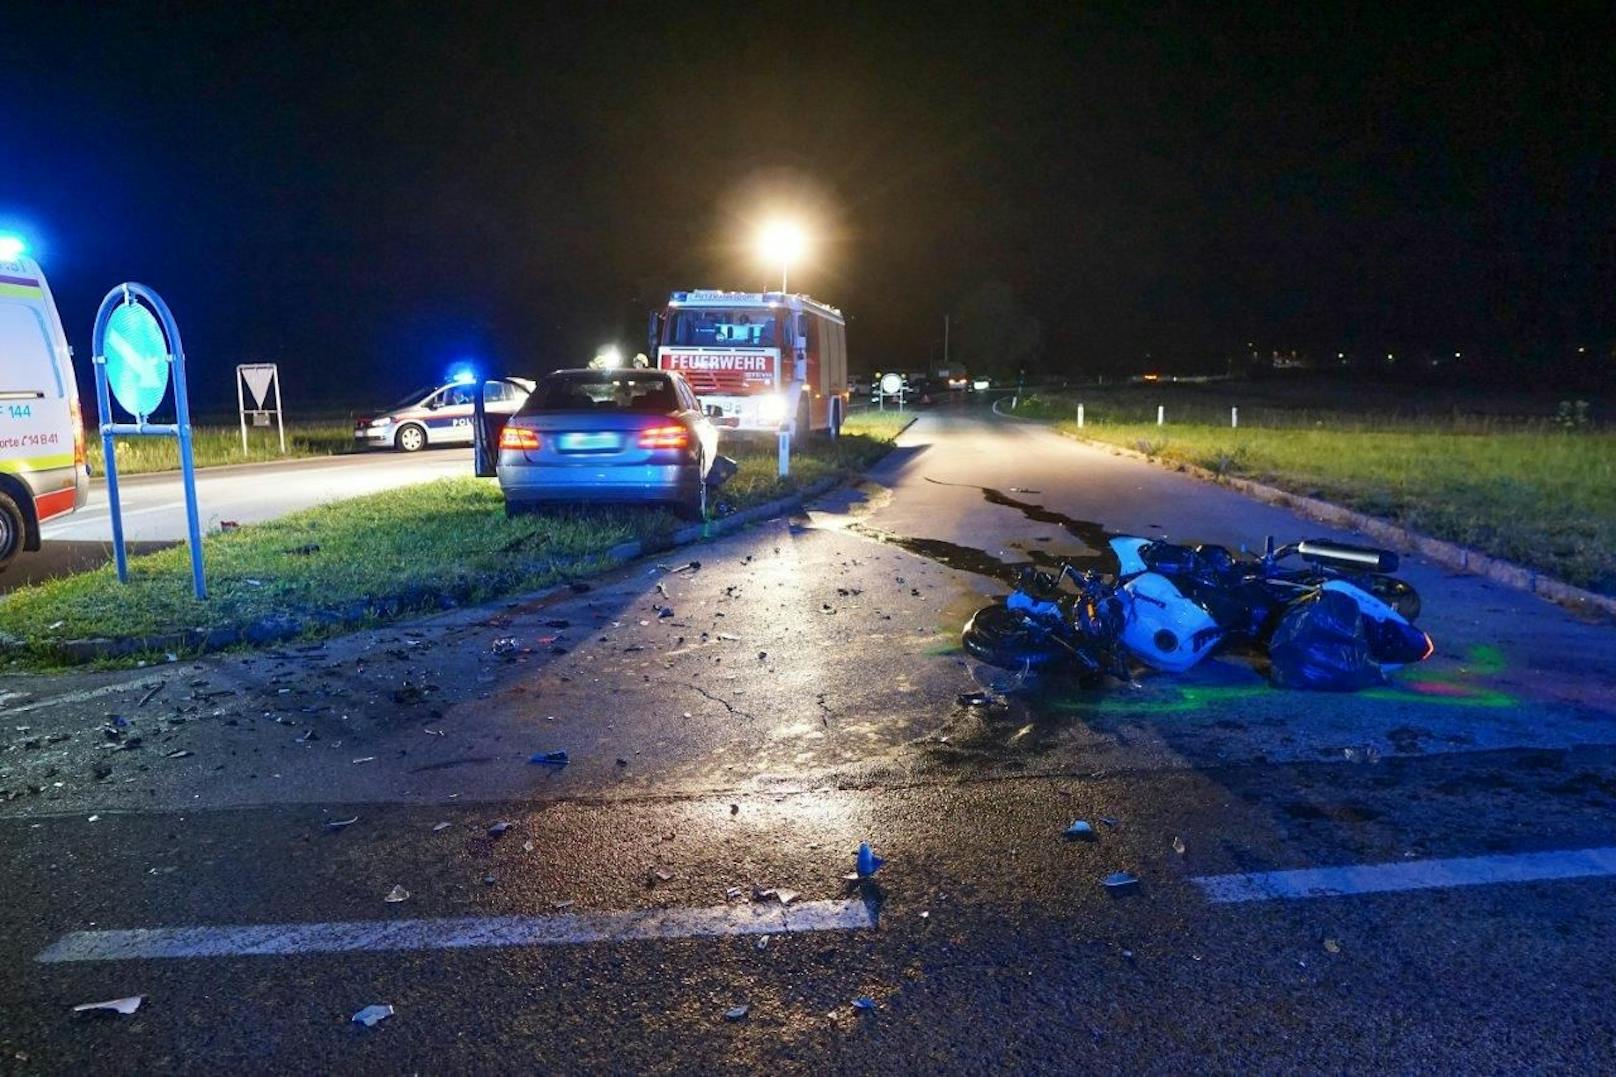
point(258, 377)
point(134, 354)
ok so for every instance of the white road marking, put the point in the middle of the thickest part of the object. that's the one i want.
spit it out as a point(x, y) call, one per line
point(144, 682)
point(457, 934)
point(1409, 875)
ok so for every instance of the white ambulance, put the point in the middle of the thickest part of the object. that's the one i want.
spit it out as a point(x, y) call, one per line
point(43, 471)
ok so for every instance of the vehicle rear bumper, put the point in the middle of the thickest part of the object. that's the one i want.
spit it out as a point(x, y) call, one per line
point(581, 482)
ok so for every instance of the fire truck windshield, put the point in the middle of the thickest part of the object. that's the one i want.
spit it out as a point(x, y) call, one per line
point(707, 327)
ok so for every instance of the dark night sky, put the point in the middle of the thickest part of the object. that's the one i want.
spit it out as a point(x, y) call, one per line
point(367, 194)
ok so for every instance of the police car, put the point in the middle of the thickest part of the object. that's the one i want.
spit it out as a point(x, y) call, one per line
point(440, 415)
point(43, 473)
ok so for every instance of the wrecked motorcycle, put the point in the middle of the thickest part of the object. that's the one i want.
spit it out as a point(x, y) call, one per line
point(1340, 622)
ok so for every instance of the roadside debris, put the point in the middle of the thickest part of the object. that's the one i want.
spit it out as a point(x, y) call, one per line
point(1178, 845)
point(1079, 831)
point(441, 826)
point(549, 759)
point(868, 862)
point(737, 1013)
point(372, 1014)
point(974, 699)
point(786, 897)
point(498, 829)
point(178, 753)
point(1110, 820)
point(340, 824)
point(365, 759)
point(396, 894)
point(505, 645)
point(118, 1005)
point(864, 1002)
point(151, 694)
point(1332, 945)
point(1120, 880)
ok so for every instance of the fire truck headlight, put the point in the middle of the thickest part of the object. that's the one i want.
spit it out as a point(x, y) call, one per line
point(772, 408)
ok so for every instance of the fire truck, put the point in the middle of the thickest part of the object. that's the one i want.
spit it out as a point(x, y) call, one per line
point(767, 361)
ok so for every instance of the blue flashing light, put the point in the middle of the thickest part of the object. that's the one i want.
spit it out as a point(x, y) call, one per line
point(463, 376)
point(11, 248)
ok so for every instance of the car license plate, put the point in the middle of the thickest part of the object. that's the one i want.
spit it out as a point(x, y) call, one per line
point(590, 442)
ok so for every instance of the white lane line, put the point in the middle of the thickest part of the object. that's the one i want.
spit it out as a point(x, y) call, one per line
point(457, 934)
point(1409, 875)
point(145, 682)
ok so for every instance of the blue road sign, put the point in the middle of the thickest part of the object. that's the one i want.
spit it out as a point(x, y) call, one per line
point(137, 359)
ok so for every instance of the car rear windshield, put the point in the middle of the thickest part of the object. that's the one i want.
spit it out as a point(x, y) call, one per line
point(606, 391)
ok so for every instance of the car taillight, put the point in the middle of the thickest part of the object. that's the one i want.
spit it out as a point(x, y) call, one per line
point(79, 457)
point(665, 437)
point(518, 437)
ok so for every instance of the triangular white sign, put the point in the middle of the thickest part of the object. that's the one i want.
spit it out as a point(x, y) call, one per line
point(257, 378)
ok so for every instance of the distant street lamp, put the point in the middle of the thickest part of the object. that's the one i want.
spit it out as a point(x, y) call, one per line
point(781, 242)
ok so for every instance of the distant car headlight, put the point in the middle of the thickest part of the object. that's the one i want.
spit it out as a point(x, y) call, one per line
point(979, 384)
point(772, 408)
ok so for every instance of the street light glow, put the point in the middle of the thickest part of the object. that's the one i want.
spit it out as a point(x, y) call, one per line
point(781, 243)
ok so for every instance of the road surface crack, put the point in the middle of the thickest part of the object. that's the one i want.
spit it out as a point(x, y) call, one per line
point(732, 708)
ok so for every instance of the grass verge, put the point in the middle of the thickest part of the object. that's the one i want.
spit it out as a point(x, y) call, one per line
point(377, 557)
point(212, 446)
point(1533, 494)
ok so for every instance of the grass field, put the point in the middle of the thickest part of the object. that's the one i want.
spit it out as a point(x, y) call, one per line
point(215, 445)
point(1519, 487)
point(383, 555)
point(212, 446)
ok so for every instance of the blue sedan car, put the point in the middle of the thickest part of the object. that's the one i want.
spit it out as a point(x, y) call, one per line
point(608, 436)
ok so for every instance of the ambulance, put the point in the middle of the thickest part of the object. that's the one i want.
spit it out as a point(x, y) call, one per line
point(43, 470)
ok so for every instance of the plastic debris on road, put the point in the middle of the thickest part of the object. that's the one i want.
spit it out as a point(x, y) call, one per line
point(340, 824)
point(441, 826)
point(1110, 820)
point(498, 829)
point(397, 894)
point(1079, 831)
point(864, 1002)
point(178, 753)
point(868, 862)
point(786, 897)
point(763, 942)
point(1119, 880)
point(1178, 845)
point(505, 645)
point(370, 1015)
point(549, 759)
point(118, 1005)
point(737, 1013)
point(365, 759)
point(973, 699)
point(1332, 946)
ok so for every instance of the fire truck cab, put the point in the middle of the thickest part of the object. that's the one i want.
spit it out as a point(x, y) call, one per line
point(766, 361)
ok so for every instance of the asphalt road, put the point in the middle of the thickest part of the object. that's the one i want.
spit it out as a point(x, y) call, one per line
point(154, 505)
point(798, 697)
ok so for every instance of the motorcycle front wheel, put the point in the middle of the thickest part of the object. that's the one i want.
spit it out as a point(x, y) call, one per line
point(1005, 638)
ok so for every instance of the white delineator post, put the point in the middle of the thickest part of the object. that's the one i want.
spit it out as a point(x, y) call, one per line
point(1080, 416)
point(1234, 417)
point(785, 453)
point(1161, 414)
